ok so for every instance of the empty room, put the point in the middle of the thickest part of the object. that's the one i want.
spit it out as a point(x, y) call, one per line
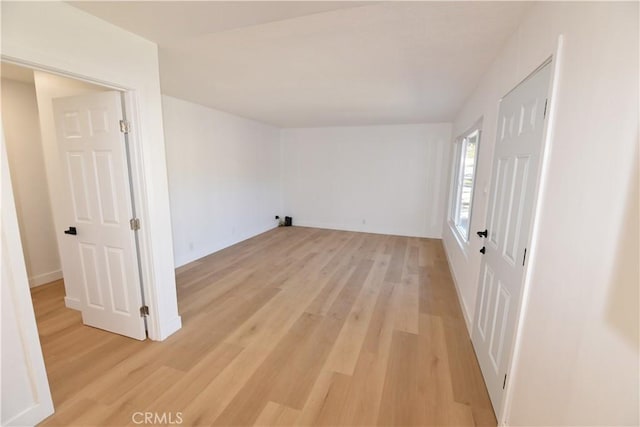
point(338, 213)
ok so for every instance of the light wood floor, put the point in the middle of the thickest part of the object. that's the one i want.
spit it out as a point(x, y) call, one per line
point(296, 326)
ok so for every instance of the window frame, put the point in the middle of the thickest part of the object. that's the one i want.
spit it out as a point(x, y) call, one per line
point(455, 195)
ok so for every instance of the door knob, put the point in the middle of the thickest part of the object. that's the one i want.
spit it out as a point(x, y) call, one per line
point(71, 230)
point(482, 233)
point(483, 250)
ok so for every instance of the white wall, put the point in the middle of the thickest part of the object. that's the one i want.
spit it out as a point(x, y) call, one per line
point(577, 355)
point(379, 179)
point(26, 399)
point(58, 36)
point(26, 161)
point(225, 175)
point(224, 178)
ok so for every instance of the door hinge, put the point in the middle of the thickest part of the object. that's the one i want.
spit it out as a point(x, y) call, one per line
point(544, 115)
point(144, 311)
point(134, 223)
point(524, 257)
point(124, 126)
point(504, 382)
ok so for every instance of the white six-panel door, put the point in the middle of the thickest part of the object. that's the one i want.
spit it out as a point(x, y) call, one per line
point(94, 161)
point(519, 138)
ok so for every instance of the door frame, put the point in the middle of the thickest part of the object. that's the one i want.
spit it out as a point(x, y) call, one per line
point(555, 59)
point(132, 114)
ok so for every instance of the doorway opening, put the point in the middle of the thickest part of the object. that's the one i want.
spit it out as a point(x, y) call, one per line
point(70, 165)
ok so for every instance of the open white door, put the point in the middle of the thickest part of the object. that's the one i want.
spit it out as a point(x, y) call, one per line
point(516, 163)
point(93, 155)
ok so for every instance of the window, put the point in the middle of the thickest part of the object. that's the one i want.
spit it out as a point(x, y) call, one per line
point(463, 183)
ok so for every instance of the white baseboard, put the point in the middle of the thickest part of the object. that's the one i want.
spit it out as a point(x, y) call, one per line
point(73, 303)
point(465, 310)
point(43, 279)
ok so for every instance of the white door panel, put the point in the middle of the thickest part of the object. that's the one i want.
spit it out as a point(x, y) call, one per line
point(94, 158)
point(521, 122)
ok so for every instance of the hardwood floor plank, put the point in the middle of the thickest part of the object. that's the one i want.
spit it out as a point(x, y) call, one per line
point(366, 386)
point(149, 389)
point(394, 273)
point(467, 381)
point(297, 326)
point(293, 385)
point(88, 365)
point(247, 405)
point(346, 349)
point(315, 403)
point(178, 395)
point(325, 299)
point(275, 414)
point(401, 405)
point(407, 302)
point(434, 376)
point(80, 412)
point(382, 321)
point(328, 407)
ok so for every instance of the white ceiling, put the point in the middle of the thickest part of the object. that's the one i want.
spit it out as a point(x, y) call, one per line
point(298, 64)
